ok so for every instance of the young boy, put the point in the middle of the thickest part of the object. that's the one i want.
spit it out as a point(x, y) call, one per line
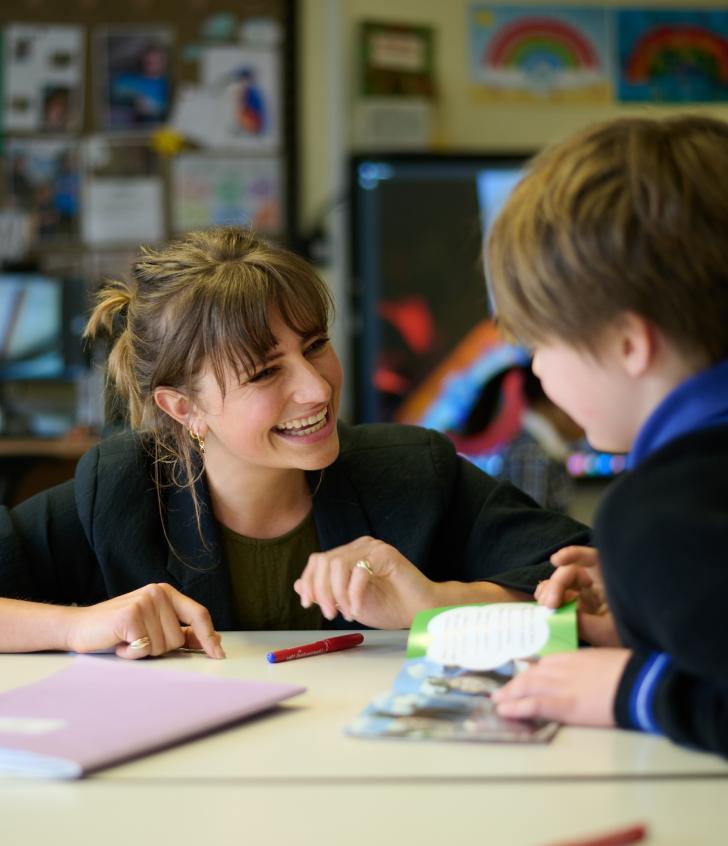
point(610, 260)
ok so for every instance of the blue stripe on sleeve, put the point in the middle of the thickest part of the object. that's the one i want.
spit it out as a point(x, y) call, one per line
point(641, 699)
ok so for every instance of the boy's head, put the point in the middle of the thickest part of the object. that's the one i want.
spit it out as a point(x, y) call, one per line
point(626, 217)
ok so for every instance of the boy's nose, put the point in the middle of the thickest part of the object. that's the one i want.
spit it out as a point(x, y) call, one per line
point(535, 364)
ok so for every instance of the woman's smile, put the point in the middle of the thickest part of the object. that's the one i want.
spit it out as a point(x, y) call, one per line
point(311, 429)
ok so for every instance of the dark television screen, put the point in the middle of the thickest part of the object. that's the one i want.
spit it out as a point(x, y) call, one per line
point(419, 287)
point(41, 320)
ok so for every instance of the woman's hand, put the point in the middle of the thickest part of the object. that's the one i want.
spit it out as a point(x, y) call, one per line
point(578, 575)
point(571, 687)
point(386, 595)
point(150, 621)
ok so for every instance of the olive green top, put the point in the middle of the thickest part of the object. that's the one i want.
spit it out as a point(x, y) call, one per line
point(262, 573)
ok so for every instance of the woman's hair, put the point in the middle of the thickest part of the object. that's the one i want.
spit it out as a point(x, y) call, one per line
point(631, 215)
point(203, 301)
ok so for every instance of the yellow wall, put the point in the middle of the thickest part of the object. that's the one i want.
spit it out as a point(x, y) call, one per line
point(327, 85)
point(461, 121)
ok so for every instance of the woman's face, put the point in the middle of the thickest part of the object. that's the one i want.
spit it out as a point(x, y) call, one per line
point(283, 416)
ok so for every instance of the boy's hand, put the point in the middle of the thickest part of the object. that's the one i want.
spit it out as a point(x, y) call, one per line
point(578, 576)
point(572, 687)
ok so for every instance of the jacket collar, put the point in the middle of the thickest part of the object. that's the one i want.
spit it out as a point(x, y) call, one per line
point(337, 508)
point(700, 402)
point(197, 565)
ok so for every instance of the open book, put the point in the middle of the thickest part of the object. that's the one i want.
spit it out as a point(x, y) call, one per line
point(456, 658)
point(98, 711)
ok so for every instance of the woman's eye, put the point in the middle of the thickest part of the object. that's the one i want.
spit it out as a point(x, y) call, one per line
point(317, 345)
point(263, 374)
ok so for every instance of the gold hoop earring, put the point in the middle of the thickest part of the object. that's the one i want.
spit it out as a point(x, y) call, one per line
point(199, 440)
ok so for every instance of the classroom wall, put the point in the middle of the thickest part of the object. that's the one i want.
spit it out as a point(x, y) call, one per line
point(328, 56)
point(328, 61)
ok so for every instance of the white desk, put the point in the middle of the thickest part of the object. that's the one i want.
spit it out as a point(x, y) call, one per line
point(292, 776)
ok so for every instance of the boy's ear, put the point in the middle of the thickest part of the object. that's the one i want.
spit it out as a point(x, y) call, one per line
point(176, 404)
point(636, 341)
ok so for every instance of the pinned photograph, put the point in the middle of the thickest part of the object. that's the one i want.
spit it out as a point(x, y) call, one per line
point(239, 94)
point(133, 67)
point(122, 191)
point(227, 190)
point(43, 72)
point(42, 177)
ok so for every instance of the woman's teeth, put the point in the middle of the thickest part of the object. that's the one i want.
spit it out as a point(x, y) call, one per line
point(305, 425)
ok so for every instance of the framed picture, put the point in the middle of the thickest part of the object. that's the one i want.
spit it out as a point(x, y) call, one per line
point(42, 177)
point(215, 190)
point(133, 67)
point(43, 70)
point(122, 193)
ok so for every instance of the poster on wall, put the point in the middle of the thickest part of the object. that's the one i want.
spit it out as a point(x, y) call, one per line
point(212, 190)
point(526, 54)
point(236, 106)
point(122, 193)
point(43, 78)
point(42, 178)
point(397, 60)
point(246, 83)
point(134, 77)
point(672, 55)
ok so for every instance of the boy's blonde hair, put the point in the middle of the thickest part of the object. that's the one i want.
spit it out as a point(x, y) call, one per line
point(629, 215)
point(206, 299)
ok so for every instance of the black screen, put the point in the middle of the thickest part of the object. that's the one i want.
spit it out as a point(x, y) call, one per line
point(419, 287)
point(41, 322)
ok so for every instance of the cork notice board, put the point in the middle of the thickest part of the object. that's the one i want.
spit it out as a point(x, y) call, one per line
point(129, 123)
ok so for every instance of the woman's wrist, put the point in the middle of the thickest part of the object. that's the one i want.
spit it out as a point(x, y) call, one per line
point(35, 626)
point(470, 593)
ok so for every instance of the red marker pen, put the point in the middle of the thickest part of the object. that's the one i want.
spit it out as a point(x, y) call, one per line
point(320, 647)
point(621, 837)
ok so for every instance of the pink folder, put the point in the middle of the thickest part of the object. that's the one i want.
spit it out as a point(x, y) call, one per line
point(100, 711)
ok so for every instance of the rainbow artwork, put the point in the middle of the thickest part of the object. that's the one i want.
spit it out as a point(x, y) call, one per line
point(673, 56)
point(544, 54)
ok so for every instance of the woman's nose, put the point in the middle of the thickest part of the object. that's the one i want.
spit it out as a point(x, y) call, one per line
point(310, 385)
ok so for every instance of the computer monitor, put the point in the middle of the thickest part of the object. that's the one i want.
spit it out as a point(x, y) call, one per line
point(41, 321)
point(418, 281)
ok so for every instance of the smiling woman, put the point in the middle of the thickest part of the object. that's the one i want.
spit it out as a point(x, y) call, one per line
point(237, 488)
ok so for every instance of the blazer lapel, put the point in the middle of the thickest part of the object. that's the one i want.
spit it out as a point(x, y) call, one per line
point(337, 509)
point(196, 565)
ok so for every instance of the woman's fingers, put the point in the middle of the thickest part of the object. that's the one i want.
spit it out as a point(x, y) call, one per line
point(162, 625)
point(329, 576)
point(359, 584)
point(198, 633)
point(150, 621)
point(322, 593)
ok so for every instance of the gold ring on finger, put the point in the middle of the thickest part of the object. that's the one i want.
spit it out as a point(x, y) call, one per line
point(140, 643)
point(363, 564)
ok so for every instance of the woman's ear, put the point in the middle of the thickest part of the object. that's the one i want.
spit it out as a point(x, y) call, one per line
point(177, 405)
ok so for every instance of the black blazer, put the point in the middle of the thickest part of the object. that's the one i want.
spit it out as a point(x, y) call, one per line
point(108, 531)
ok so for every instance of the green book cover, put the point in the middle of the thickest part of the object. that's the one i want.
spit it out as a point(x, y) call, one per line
point(482, 637)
